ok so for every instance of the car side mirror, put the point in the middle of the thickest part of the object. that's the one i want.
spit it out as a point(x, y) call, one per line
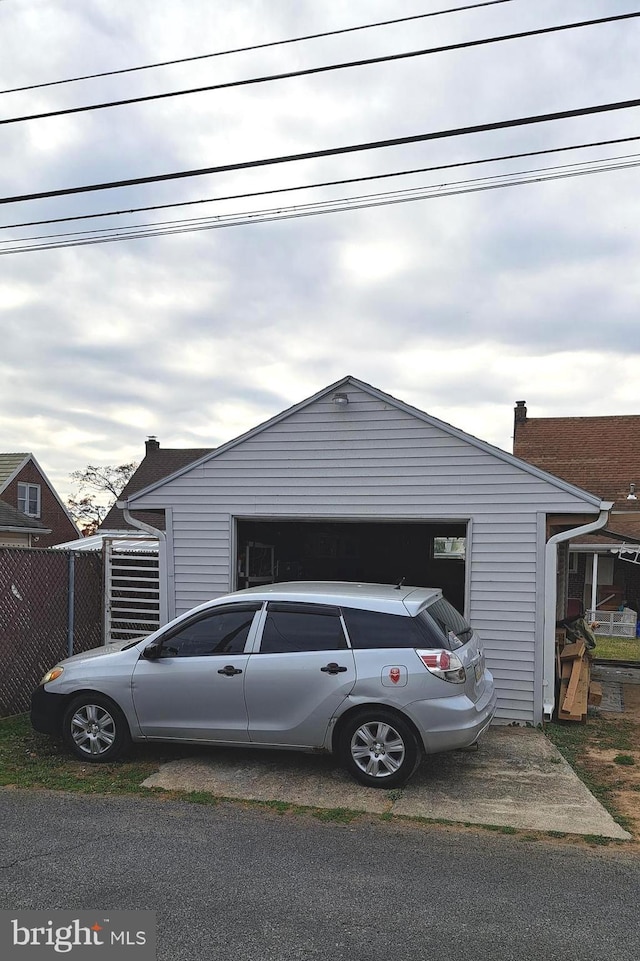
point(151, 652)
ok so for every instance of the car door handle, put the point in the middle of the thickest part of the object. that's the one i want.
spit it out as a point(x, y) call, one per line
point(229, 670)
point(333, 668)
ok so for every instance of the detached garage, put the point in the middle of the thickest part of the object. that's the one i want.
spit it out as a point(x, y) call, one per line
point(352, 484)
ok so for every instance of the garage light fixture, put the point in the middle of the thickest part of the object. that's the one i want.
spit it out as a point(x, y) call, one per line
point(631, 496)
point(340, 400)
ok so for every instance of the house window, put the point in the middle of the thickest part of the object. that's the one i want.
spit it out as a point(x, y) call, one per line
point(573, 562)
point(448, 548)
point(29, 499)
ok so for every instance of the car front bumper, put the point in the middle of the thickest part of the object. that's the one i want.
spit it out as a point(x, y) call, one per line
point(46, 711)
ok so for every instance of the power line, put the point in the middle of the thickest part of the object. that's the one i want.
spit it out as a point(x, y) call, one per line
point(330, 152)
point(257, 46)
point(309, 71)
point(325, 183)
point(280, 214)
point(609, 163)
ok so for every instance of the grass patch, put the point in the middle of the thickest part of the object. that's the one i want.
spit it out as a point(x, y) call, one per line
point(617, 648)
point(339, 815)
point(601, 733)
point(202, 797)
point(280, 807)
point(624, 759)
point(597, 839)
point(29, 759)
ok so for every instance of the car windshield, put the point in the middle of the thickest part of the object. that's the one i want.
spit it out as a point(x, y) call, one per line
point(450, 621)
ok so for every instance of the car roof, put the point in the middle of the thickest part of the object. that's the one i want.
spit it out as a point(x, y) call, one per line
point(381, 597)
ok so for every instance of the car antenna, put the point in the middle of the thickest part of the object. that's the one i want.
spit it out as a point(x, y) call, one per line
point(400, 583)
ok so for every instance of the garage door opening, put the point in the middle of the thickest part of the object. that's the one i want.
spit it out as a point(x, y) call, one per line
point(424, 555)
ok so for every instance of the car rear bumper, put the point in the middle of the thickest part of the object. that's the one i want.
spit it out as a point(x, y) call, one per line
point(46, 711)
point(451, 723)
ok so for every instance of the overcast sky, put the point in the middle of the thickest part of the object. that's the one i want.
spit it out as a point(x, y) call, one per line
point(458, 304)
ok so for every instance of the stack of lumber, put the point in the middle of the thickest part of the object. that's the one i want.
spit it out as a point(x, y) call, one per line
point(577, 690)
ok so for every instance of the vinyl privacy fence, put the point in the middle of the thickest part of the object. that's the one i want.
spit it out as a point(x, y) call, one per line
point(50, 605)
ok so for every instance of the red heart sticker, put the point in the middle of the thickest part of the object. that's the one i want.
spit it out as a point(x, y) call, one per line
point(394, 674)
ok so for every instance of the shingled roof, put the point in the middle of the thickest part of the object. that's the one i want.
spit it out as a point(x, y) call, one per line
point(12, 519)
point(9, 464)
point(598, 454)
point(158, 463)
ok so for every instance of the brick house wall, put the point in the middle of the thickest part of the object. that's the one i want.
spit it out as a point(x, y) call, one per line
point(52, 515)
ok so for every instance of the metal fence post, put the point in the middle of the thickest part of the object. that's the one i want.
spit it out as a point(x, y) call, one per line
point(71, 607)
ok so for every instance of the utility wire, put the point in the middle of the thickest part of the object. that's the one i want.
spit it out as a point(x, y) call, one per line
point(257, 46)
point(324, 183)
point(609, 163)
point(317, 70)
point(280, 214)
point(330, 152)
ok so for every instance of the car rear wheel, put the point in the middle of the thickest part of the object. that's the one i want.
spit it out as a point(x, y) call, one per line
point(379, 749)
point(95, 729)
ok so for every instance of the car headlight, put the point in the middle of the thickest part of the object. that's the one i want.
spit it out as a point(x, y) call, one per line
point(52, 675)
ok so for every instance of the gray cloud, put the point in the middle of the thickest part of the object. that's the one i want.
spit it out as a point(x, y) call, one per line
point(457, 305)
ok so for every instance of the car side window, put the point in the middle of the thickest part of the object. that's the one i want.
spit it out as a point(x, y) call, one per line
point(216, 632)
point(292, 628)
point(371, 629)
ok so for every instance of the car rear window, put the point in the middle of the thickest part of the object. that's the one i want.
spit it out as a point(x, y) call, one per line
point(294, 628)
point(371, 629)
point(450, 622)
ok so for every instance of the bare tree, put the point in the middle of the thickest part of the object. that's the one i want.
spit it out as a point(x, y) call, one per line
point(98, 489)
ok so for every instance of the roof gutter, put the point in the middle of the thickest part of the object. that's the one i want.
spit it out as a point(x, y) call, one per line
point(550, 598)
point(162, 554)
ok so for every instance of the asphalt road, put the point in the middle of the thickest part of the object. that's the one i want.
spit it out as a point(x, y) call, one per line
point(240, 884)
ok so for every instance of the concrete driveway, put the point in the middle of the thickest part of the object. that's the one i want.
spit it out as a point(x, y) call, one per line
point(515, 778)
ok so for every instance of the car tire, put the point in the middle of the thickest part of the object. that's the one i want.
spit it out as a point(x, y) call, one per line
point(95, 729)
point(378, 748)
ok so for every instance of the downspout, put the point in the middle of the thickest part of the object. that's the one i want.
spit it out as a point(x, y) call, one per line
point(162, 555)
point(550, 598)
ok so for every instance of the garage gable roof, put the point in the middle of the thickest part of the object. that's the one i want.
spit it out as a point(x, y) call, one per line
point(350, 381)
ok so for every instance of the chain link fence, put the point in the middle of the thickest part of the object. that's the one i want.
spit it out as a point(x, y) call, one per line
point(50, 603)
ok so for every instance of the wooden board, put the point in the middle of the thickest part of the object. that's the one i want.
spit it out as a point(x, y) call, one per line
point(567, 705)
point(573, 650)
point(595, 693)
point(574, 706)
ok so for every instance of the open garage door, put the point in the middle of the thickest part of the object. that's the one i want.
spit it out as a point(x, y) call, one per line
point(425, 555)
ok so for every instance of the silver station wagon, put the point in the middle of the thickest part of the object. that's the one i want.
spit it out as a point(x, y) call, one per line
point(376, 674)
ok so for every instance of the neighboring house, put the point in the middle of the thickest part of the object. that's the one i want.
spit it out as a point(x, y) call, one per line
point(18, 530)
point(601, 455)
point(354, 484)
point(131, 576)
point(25, 487)
point(157, 463)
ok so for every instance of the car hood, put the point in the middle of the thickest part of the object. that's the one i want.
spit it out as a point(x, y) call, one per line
point(104, 651)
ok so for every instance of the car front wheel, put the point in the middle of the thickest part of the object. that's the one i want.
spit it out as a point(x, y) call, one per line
point(95, 729)
point(379, 749)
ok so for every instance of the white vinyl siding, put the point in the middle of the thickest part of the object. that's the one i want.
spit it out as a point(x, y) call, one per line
point(375, 461)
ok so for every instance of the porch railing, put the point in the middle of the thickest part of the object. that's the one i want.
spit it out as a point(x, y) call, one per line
point(613, 623)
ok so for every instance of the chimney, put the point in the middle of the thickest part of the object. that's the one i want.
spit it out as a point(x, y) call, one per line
point(151, 444)
point(520, 412)
point(519, 417)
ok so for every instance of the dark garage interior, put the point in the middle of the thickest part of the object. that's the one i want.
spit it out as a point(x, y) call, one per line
point(423, 554)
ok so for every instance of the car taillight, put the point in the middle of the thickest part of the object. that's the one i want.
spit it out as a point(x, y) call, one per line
point(444, 664)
